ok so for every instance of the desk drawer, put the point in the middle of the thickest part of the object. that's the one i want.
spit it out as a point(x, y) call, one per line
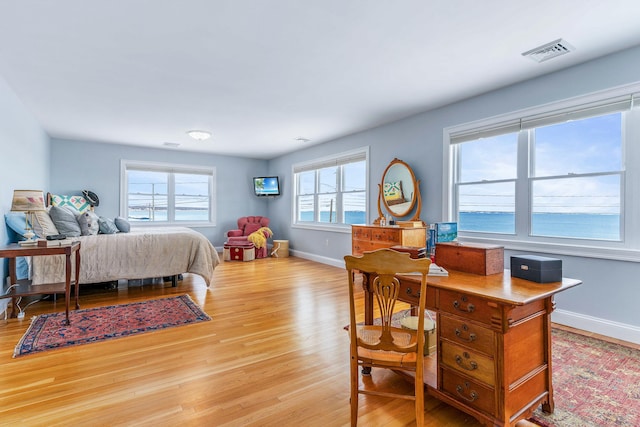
point(469, 392)
point(464, 360)
point(467, 306)
point(468, 334)
point(410, 293)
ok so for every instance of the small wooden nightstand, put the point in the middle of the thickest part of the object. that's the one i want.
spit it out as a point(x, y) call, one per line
point(21, 288)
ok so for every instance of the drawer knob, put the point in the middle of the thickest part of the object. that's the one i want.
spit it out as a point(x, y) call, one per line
point(410, 293)
point(471, 338)
point(468, 309)
point(471, 366)
point(472, 397)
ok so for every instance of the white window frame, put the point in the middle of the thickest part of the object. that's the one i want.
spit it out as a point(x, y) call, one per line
point(170, 168)
point(319, 163)
point(628, 249)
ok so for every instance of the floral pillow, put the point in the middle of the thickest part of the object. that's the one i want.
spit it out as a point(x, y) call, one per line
point(393, 193)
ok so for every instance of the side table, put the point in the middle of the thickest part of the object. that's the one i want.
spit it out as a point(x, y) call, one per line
point(21, 288)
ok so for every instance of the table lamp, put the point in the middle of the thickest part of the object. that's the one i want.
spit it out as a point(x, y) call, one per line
point(28, 201)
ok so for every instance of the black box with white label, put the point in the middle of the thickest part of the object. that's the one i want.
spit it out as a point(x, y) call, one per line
point(536, 268)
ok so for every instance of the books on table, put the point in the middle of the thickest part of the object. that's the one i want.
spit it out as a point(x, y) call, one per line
point(44, 243)
point(434, 270)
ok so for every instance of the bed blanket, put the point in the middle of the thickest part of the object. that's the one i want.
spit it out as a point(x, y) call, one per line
point(140, 254)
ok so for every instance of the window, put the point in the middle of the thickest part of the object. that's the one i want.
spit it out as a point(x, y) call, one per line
point(158, 193)
point(332, 192)
point(558, 175)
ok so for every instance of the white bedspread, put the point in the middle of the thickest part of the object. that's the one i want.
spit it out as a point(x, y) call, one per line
point(142, 253)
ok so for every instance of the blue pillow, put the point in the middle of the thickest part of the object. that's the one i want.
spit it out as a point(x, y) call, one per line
point(122, 224)
point(65, 221)
point(16, 222)
point(107, 226)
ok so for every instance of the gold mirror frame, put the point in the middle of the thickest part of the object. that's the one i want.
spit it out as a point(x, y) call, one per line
point(403, 191)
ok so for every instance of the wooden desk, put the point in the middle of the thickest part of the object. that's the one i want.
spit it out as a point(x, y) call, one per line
point(494, 342)
point(22, 288)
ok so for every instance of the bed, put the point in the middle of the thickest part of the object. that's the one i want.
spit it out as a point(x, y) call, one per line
point(110, 248)
point(139, 254)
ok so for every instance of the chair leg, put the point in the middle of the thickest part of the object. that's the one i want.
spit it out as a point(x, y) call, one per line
point(355, 381)
point(419, 403)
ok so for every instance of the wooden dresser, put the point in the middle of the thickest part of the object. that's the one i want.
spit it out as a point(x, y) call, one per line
point(372, 237)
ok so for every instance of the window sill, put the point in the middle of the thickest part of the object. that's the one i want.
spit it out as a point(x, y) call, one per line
point(337, 228)
point(586, 251)
point(145, 224)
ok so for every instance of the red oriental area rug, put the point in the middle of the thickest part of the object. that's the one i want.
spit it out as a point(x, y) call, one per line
point(48, 331)
point(595, 383)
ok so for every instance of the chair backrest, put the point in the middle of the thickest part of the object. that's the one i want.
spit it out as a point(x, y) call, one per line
point(382, 266)
point(249, 224)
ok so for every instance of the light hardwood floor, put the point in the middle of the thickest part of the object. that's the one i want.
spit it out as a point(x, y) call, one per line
point(275, 354)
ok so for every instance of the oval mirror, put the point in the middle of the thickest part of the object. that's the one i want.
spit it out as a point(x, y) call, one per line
point(399, 190)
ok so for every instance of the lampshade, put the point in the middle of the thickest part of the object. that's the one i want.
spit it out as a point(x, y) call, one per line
point(27, 201)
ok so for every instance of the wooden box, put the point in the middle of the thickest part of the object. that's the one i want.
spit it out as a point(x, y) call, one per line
point(476, 258)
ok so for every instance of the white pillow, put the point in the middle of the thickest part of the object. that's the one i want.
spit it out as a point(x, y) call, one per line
point(88, 222)
point(43, 226)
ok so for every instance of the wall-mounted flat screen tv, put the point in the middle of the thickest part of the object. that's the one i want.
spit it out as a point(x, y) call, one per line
point(266, 186)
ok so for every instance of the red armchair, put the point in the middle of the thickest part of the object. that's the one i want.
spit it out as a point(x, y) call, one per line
point(246, 226)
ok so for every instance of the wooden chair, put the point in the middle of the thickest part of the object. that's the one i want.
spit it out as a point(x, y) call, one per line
point(384, 345)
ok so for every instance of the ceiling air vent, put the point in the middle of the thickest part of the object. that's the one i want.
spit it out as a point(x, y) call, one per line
point(549, 50)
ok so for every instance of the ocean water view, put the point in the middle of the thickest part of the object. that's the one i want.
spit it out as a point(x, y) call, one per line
point(351, 217)
point(579, 225)
point(161, 215)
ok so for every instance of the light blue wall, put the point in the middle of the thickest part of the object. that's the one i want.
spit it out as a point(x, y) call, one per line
point(600, 303)
point(80, 165)
point(24, 162)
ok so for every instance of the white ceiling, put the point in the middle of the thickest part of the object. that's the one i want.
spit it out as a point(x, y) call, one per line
point(260, 73)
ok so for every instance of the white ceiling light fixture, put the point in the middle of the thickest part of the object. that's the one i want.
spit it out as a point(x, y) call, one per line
point(199, 135)
point(549, 50)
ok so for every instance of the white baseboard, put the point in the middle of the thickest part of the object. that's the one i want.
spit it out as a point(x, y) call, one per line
point(321, 259)
point(609, 328)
